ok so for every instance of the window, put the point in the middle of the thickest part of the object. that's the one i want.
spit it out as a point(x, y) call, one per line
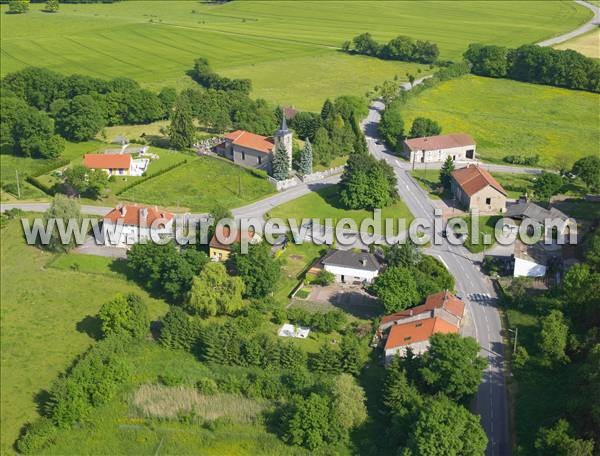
point(407, 338)
point(418, 325)
point(488, 201)
point(259, 159)
point(243, 155)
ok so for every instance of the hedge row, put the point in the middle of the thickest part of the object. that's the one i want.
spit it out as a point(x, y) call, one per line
point(151, 176)
point(43, 187)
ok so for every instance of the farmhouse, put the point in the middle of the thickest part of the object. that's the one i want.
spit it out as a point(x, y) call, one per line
point(538, 215)
point(475, 188)
point(256, 151)
point(411, 328)
point(113, 164)
point(459, 146)
point(349, 266)
point(220, 251)
point(128, 224)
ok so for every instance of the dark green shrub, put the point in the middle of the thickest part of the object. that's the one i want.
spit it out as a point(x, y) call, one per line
point(37, 436)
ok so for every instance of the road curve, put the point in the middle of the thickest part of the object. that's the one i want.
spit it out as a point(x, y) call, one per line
point(590, 25)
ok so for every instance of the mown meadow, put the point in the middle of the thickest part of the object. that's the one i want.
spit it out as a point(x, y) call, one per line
point(290, 50)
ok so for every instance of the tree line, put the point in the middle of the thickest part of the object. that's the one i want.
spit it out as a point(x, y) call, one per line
point(400, 48)
point(536, 64)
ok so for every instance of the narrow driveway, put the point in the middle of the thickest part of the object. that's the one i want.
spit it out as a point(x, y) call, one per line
point(588, 26)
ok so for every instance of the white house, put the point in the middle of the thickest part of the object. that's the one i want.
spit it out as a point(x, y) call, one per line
point(429, 149)
point(113, 164)
point(128, 224)
point(529, 260)
point(350, 266)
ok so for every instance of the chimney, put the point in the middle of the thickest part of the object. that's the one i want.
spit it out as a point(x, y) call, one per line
point(143, 213)
point(363, 261)
point(122, 210)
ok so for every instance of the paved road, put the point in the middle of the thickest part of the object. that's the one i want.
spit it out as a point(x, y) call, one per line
point(590, 25)
point(475, 288)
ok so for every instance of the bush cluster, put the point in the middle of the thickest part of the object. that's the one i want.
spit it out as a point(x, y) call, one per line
point(400, 48)
point(325, 322)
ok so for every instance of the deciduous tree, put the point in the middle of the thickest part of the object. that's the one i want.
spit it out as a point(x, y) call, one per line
point(214, 292)
point(125, 315)
point(422, 126)
point(452, 366)
point(396, 288)
point(553, 337)
point(446, 429)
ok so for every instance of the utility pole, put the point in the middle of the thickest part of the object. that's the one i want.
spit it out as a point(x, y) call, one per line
point(18, 186)
point(515, 341)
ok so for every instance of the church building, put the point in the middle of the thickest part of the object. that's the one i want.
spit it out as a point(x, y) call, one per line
point(255, 151)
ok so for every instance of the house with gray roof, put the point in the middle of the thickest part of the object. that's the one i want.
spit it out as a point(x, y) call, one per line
point(350, 266)
point(527, 210)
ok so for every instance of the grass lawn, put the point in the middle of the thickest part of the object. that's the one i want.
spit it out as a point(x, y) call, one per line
point(486, 227)
point(324, 203)
point(516, 184)
point(200, 184)
point(47, 318)
point(588, 44)
point(288, 49)
point(508, 117)
point(337, 161)
point(296, 258)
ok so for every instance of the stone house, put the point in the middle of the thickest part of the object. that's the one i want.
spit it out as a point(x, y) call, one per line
point(475, 188)
point(255, 151)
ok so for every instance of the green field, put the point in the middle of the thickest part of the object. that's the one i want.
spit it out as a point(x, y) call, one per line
point(200, 184)
point(288, 49)
point(324, 203)
point(47, 318)
point(514, 118)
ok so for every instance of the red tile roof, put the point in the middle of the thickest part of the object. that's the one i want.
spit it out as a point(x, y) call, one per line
point(443, 299)
point(417, 331)
point(251, 141)
point(440, 142)
point(224, 231)
point(107, 161)
point(132, 214)
point(474, 178)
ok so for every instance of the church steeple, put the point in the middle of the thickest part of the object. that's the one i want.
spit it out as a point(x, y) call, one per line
point(283, 138)
point(283, 129)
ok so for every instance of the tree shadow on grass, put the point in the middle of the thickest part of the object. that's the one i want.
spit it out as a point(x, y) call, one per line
point(90, 325)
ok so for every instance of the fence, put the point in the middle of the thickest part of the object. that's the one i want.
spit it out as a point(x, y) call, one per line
point(306, 179)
